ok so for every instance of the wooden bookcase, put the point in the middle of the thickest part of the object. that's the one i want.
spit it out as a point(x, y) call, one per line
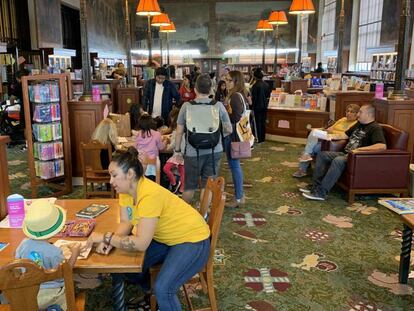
point(47, 133)
point(107, 89)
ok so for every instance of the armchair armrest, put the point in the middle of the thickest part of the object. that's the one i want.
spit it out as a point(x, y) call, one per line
point(385, 169)
point(333, 145)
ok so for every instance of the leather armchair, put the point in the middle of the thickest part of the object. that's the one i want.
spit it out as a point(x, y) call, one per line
point(384, 171)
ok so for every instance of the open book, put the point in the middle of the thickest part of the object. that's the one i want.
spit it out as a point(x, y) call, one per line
point(63, 244)
point(399, 205)
point(321, 134)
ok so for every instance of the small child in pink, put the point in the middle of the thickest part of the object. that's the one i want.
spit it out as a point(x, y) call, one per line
point(148, 143)
point(175, 163)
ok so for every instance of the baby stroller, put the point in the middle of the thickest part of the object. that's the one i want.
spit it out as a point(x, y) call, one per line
point(11, 122)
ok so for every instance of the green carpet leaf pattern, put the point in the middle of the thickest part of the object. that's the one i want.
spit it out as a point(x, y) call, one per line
point(281, 251)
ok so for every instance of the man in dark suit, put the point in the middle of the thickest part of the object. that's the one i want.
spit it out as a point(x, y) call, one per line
point(159, 94)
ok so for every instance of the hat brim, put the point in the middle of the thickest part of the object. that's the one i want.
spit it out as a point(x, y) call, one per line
point(55, 229)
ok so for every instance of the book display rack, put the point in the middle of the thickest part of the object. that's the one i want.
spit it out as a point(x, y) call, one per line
point(47, 133)
point(383, 67)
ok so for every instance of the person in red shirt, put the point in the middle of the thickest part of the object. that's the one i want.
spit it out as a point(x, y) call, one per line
point(187, 89)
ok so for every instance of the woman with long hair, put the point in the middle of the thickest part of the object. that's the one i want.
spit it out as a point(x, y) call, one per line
point(106, 133)
point(221, 92)
point(186, 90)
point(236, 103)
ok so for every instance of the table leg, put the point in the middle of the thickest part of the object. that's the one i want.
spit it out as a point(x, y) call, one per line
point(407, 237)
point(118, 292)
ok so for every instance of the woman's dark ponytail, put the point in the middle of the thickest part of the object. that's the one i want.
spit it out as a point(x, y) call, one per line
point(129, 160)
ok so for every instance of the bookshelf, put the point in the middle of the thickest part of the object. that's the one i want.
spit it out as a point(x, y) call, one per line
point(47, 133)
point(383, 67)
point(331, 64)
point(107, 89)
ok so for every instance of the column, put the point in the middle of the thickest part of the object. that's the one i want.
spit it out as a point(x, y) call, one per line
point(353, 51)
point(212, 29)
point(411, 63)
point(318, 39)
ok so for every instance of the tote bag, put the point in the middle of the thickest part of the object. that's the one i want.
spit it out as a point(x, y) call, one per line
point(243, 128)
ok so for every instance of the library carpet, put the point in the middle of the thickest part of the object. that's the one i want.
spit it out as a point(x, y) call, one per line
point(283, 252)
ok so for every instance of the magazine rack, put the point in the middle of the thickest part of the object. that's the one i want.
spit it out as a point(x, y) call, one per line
point(47, 133)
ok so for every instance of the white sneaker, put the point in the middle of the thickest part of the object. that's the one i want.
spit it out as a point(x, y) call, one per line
point(313, 196)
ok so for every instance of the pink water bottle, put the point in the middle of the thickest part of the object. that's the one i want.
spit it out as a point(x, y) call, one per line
point(15, 208)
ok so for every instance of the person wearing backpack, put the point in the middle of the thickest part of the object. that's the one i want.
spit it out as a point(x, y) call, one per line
point(204, 122)
point(236, 103)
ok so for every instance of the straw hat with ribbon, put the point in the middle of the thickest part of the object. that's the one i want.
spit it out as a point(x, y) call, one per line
point(43, 220)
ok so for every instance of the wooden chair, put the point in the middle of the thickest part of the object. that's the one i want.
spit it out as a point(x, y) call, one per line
point(157, 163)
point(92, 171)
point(20, 281)
point(213, 193)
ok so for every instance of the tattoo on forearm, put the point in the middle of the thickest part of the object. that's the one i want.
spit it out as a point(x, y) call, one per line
point(127, 244)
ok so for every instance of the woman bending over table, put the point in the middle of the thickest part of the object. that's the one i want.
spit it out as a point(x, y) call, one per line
point(168, 229)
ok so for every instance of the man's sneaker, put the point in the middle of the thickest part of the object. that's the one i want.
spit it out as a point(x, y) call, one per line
point(299, 174)
point(313, 196)
point(306, 189)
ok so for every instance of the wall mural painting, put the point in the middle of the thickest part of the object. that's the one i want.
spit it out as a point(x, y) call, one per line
point(237, 25)
point(49, 24)
point(106, 30)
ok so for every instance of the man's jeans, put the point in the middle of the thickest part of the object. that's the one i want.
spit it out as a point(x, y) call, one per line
point(329, 167)
point(179, 264)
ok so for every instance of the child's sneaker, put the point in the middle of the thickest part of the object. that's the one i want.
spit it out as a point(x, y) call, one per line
point(174, 188)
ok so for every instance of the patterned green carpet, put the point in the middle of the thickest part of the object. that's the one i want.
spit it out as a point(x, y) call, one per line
point(283, 252)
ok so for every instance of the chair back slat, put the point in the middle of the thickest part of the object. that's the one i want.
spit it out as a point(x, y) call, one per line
point(214, 198)
point(20, 282)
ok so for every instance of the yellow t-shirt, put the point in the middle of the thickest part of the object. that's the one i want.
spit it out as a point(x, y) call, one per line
point(178, 222)
point(342, 125)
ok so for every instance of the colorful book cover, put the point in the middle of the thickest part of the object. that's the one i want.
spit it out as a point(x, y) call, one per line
point(400, 206)
point(92, 210)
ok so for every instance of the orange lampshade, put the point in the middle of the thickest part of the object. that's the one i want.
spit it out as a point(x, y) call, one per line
point(170, 28)
point(263, 25)
point(302, 7)
point(278, 18)
point(148, 7)
point(161, 20)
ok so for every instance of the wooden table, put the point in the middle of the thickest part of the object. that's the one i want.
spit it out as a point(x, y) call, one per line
point(407, 238)
point(118, 261)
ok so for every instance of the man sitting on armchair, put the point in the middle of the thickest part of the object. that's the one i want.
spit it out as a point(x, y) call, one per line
point(365, 135)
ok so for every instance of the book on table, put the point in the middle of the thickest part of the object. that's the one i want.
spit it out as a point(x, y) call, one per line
point(399, 205)
point(92, 210)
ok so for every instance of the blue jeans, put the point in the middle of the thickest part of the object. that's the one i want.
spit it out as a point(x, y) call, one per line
point(235, 168)
point(179, 264)
point(329, 167)
point(316, 148)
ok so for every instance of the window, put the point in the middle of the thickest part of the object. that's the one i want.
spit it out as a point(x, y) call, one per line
point(328, 28)
point(370, 16)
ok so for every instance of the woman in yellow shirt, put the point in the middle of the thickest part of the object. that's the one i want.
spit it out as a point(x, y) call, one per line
point(313, 146)
point(168, 229)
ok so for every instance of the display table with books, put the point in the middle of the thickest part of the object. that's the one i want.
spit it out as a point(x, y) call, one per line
point(405, 208)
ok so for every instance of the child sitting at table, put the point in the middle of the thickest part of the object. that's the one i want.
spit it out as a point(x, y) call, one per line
point(44, 220)
point(174, 165)
point(148, 143)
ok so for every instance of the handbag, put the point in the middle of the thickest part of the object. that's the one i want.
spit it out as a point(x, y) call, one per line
point(240, 150)
point(243, 128)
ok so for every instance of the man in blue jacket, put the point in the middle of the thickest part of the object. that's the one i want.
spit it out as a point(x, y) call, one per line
point(159, 94)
